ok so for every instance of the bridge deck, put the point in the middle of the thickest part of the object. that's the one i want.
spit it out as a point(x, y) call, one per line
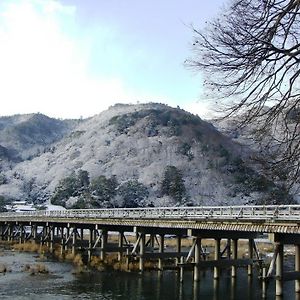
point(260, 219)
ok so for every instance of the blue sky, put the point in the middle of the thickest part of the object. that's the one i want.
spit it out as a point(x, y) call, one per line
point(72, 58)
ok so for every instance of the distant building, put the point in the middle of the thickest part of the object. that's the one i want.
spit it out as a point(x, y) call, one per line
point(20, 206)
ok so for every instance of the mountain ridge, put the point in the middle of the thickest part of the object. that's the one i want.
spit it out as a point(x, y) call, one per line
point(136, 145)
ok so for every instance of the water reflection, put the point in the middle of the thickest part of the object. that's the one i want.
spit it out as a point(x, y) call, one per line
point(159, 287)
point(216, 289)
point(195, 290)
point(233, 288)
point(250, 287)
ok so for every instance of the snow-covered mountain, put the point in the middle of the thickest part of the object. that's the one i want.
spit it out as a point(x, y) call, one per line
point(130, 143)
point(24, 136)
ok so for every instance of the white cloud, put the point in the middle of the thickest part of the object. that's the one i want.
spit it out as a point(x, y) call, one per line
point(42, 69)
point(50, 64)
point(201, 108)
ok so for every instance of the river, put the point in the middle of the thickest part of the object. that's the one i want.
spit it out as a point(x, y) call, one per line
point(62, 282)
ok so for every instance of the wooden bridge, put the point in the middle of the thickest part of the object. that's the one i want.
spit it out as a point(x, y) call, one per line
point(90, 229)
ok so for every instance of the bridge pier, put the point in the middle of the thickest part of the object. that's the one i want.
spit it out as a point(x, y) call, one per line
point(161, 250)
point(74, 239)
point(10, 232)
point(2, 231)
point(279, 270)
point(62, 241)
point(250, 255)
point(197, 258)
point(217, 257)
point(48, 235)
point(21, 237)
point(81, 236)
point(67, 235)
point(178, 248)
point(234, 256)
point(120, 245)
point(142, 251)
point(103, 244)
point(34, 231)
point(297, 267)
point(90, 246)
point(228, 248)
point(52, 234)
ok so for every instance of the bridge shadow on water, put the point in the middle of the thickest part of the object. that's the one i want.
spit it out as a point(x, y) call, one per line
point(156, 285)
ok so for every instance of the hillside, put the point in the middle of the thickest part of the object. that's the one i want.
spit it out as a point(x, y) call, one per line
point(267, 148)
point(24, 136)
point(132, 155)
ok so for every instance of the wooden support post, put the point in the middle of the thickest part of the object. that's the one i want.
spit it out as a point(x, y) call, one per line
point(34, 232)
point(42, 236)
point(10, 230)
point(250, 251)
point(217, 257)
point(103, 244)
point(48, 236)
point(81, 237)
point(161, 250)
point(228, 254)
point(178, 248)
point(74, 238)
point(2, 232)
point(90, 244)
point(96, 233)
point(52, 231)
point(21, 237)
point(152, 240)
point(297, 267)
point(234, 255)
point(142, 251)
point(62, 241)
point(120, 245)
point(181, 268)
point(279, 271)
point(197, 259)
point(67, 238)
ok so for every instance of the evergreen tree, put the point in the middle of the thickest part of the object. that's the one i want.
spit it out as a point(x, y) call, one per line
point(103, 190)
point(133, 193)
point(173, 184)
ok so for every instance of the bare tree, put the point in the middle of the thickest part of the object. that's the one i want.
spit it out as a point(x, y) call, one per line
point(250, 57)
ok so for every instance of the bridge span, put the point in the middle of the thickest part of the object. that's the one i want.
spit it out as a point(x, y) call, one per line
point(89, 230)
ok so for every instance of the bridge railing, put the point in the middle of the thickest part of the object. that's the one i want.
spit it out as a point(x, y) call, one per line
point(259, 212)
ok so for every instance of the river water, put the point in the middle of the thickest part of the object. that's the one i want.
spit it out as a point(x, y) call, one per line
point(63, 283)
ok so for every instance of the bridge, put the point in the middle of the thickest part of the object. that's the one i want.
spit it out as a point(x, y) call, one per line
point(89, 230)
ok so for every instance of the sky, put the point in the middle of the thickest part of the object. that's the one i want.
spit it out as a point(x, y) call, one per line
point(75, 58)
